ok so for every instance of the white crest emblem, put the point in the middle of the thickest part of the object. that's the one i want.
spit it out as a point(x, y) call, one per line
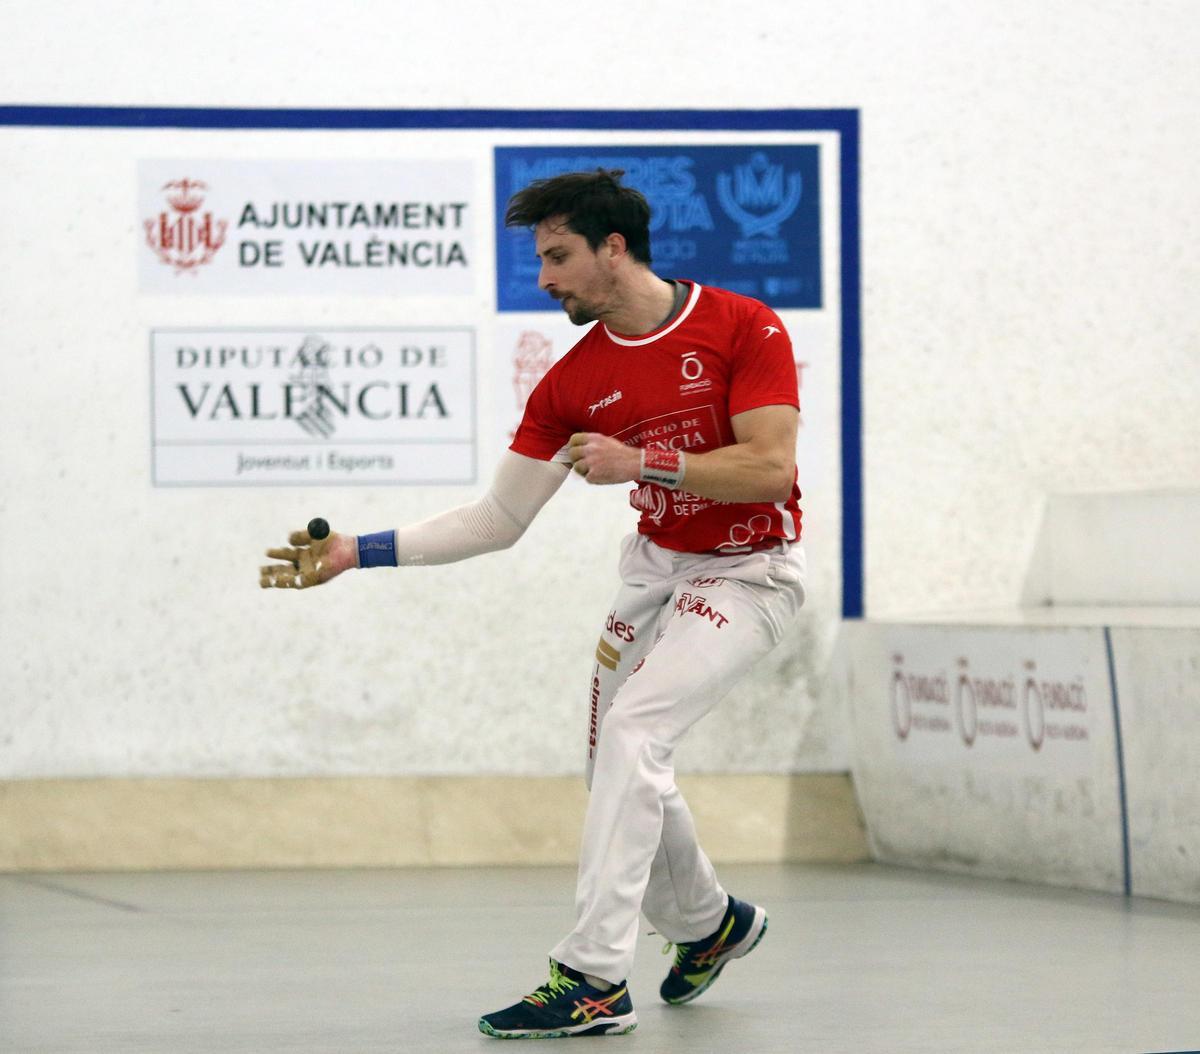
point(758, 197)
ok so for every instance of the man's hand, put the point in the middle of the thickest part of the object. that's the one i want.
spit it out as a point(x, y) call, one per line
point(602, 459)
point(309, 562)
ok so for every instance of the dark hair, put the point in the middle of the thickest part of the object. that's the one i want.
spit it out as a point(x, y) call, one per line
point(594, 204)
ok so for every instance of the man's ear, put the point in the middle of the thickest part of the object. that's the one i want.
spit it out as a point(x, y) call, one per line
point(616, 246)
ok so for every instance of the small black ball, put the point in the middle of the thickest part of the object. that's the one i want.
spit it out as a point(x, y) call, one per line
point(318, 529)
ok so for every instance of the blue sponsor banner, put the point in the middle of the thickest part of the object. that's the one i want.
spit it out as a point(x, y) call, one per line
point(745, 218)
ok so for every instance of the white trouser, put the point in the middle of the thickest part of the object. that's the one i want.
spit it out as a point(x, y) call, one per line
point(683, 629)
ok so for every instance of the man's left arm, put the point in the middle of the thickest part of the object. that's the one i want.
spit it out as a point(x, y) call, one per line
point(759, 466)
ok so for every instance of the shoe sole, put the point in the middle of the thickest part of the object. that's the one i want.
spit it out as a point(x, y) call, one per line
point(738, 951)
point(617, 1026)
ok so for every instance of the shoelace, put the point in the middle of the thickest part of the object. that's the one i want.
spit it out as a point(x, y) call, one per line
point(681, 951)
point(559, 982)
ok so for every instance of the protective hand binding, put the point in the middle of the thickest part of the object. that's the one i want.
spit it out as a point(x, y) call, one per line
point(306, 563)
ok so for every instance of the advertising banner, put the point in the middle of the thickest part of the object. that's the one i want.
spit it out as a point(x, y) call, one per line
point(745, 218)
point(1020, 701)
point(988, 749)
point(255, 407)
point(371, 228)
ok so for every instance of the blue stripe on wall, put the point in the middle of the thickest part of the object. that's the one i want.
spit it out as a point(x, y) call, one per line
point(1112, 681)
point(852, 478)
point(307, 119)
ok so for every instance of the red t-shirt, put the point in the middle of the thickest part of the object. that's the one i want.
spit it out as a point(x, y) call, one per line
point(675, 388)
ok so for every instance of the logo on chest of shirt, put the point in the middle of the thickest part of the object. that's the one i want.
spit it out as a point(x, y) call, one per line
point(608, 400)
point(695, 428)
point(692, 370)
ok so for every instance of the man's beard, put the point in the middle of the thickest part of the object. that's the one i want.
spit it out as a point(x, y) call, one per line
point(580, 312)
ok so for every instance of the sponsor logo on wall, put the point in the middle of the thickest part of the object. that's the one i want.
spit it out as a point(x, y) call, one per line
point(259, 407)
point(525, 354)
point(746, 218)
point(263, 227)
point(182, 235)
point(957, 697)
point(532, 357)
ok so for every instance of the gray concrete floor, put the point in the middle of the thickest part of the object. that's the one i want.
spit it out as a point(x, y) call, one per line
point(857, 959)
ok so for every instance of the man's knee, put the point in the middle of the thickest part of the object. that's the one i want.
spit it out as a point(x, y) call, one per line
point(631, 734)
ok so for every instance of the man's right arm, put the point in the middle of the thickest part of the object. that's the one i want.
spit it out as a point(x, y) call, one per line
point(521, 486)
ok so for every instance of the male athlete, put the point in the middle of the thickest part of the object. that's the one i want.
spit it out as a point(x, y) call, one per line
point(689, 393)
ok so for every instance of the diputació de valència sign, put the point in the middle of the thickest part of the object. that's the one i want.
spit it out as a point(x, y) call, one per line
point(260, 407)
point(394, 227)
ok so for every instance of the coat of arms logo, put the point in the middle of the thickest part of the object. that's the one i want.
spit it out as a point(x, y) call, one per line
point(181, 235)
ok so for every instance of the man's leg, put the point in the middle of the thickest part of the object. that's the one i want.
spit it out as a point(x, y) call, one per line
point(629, 632)
point(571, 1003)
point(713, 634)
point(703, 671)
point(684, 900)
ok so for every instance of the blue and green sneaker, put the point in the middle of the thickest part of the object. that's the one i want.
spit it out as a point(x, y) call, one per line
point(698, 964)
point(566, 1005)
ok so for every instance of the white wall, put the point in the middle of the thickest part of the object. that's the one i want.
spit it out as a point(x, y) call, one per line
point(177, 662)
point(1156, 672)
point(1030, 325)
point(1132, 548)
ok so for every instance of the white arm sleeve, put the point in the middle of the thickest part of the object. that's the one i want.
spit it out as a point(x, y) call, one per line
point(521, 486)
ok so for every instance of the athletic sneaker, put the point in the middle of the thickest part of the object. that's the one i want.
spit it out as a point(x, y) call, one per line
point(697, 965)
point(566, 1005)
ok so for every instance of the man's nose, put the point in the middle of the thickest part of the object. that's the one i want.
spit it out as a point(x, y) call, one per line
point(543, 281)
